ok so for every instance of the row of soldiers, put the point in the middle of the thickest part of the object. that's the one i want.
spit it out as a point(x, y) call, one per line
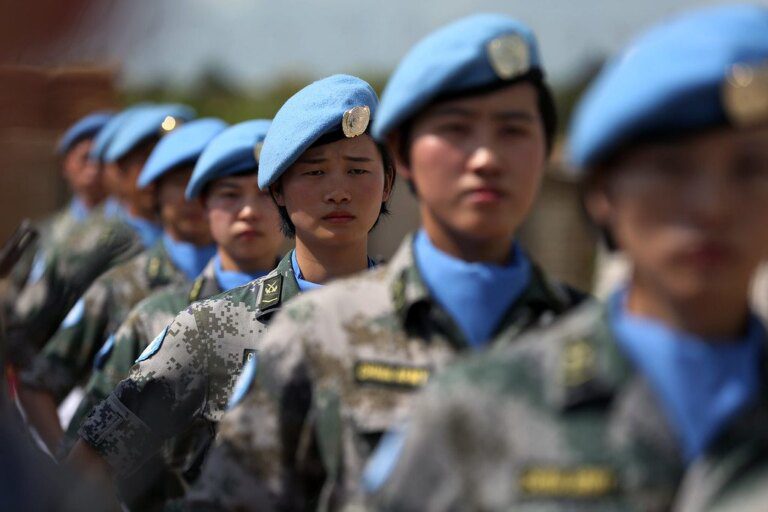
point(219, 376)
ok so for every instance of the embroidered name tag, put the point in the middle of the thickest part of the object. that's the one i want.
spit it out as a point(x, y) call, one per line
point(388, 374)
point(571, 483)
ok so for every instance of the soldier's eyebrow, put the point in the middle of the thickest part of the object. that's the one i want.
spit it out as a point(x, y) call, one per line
point(225, 183)
point(513, 115)
point(357, 158)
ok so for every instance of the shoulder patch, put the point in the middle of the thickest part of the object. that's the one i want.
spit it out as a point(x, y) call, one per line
point(579, 482)
point(103, 354)
point(153, 347)
point(75, 314)
point(245, 380)
point(390, 374)
point(270, 292)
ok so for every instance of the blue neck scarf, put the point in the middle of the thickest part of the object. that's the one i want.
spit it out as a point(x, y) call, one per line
point(305, 285)
point(113, 208)
point(229, 279)
point(78, 210)
point(476, 295)
point(189, 258)
point(701, 383)
point(148, 231)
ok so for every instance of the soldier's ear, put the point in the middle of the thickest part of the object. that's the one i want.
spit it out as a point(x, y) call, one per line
point(399, 148)
point(277, 194)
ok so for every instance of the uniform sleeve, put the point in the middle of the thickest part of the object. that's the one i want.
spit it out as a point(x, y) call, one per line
point(256, 463)
point(67, 357)
point(165, 391)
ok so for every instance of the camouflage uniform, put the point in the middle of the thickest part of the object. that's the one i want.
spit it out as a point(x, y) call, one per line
point(183, 380)
point(93, 247)
point(146, 319)
point(66, 359)
point(559, 421)
point(337, 368)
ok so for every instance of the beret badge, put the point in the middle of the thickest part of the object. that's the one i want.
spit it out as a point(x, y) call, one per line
point(169, 124)
point(355, 121)
point(509, 56)
point(257, 150)
point(745, 94)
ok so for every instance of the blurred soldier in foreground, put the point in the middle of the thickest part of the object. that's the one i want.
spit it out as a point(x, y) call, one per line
point(245, 224)
point(331, 183)
point(178, 257)
point(470, 119)
point(609, 407)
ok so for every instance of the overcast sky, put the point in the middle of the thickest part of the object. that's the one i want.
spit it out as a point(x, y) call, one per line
point(257, 41)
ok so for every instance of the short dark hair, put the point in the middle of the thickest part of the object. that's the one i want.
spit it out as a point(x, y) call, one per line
point(287, 227)
point(545, 103)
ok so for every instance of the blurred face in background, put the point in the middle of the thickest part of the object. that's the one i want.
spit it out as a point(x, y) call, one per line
point(183, 220)
point(476, 163)
point(690, 213)
point(82, 174)
point(244, 222)
point(140, 202)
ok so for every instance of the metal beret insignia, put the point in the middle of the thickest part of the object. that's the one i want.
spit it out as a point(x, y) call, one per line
point(257, 150)
point(355, 121)
point(169, 124)
point(509, 56)
point(745, 94)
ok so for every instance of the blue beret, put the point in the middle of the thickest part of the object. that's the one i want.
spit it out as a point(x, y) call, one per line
point(144, 123)
point(685, 74)
point(183, 145)
point(107, 133)
point(85, 128)
point(473, 52)
point(232, 151)
point(339, 102)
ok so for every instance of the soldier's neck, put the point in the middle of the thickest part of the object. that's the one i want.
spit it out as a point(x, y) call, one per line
point(715, 318)
point(322, 262)
point(247, 266)
point(467, 246)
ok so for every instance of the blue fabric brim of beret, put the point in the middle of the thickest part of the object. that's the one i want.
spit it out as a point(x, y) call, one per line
point(86, 128)
point(451, 60)
point(314, 111)
point(669, 81)
point(107, 133)
point(183, 145)
point(141, 125)
point(230, 152)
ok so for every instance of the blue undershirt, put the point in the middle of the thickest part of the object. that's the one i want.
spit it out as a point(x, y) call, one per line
point(229, 279)
point(112, 208)
point(189, 258)
point(148, 231)
point(305, 285)
point(701, 383)
point(78, 210)
point(476, 295)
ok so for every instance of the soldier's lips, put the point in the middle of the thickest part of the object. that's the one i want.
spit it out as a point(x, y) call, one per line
point(339, 217)
point(484, 195)
point(248, 234)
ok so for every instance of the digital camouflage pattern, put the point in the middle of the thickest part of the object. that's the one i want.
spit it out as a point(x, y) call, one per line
point(182, 382)
point(92, 248)
point(148, 318)
point(337, 368)
point(66, 359)
point(559, 421)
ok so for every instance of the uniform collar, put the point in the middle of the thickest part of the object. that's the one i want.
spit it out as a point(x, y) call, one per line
point(283, 277)
point(205, 285)
point(413, 302)
point(160, 268)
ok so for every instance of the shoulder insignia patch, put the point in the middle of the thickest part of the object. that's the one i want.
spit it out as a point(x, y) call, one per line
point(582, 482)
point(197, 287)
point(75, 314)
point(270, 292)
point(246, 378)
point(103, 354)
point(153, 347)
point(390, 374)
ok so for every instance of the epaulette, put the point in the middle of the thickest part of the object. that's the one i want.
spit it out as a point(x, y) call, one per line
point(271, 289)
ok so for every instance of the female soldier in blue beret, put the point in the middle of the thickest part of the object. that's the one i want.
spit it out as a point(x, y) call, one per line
point(470, 119)
point(331, 182)
point(610, 406)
